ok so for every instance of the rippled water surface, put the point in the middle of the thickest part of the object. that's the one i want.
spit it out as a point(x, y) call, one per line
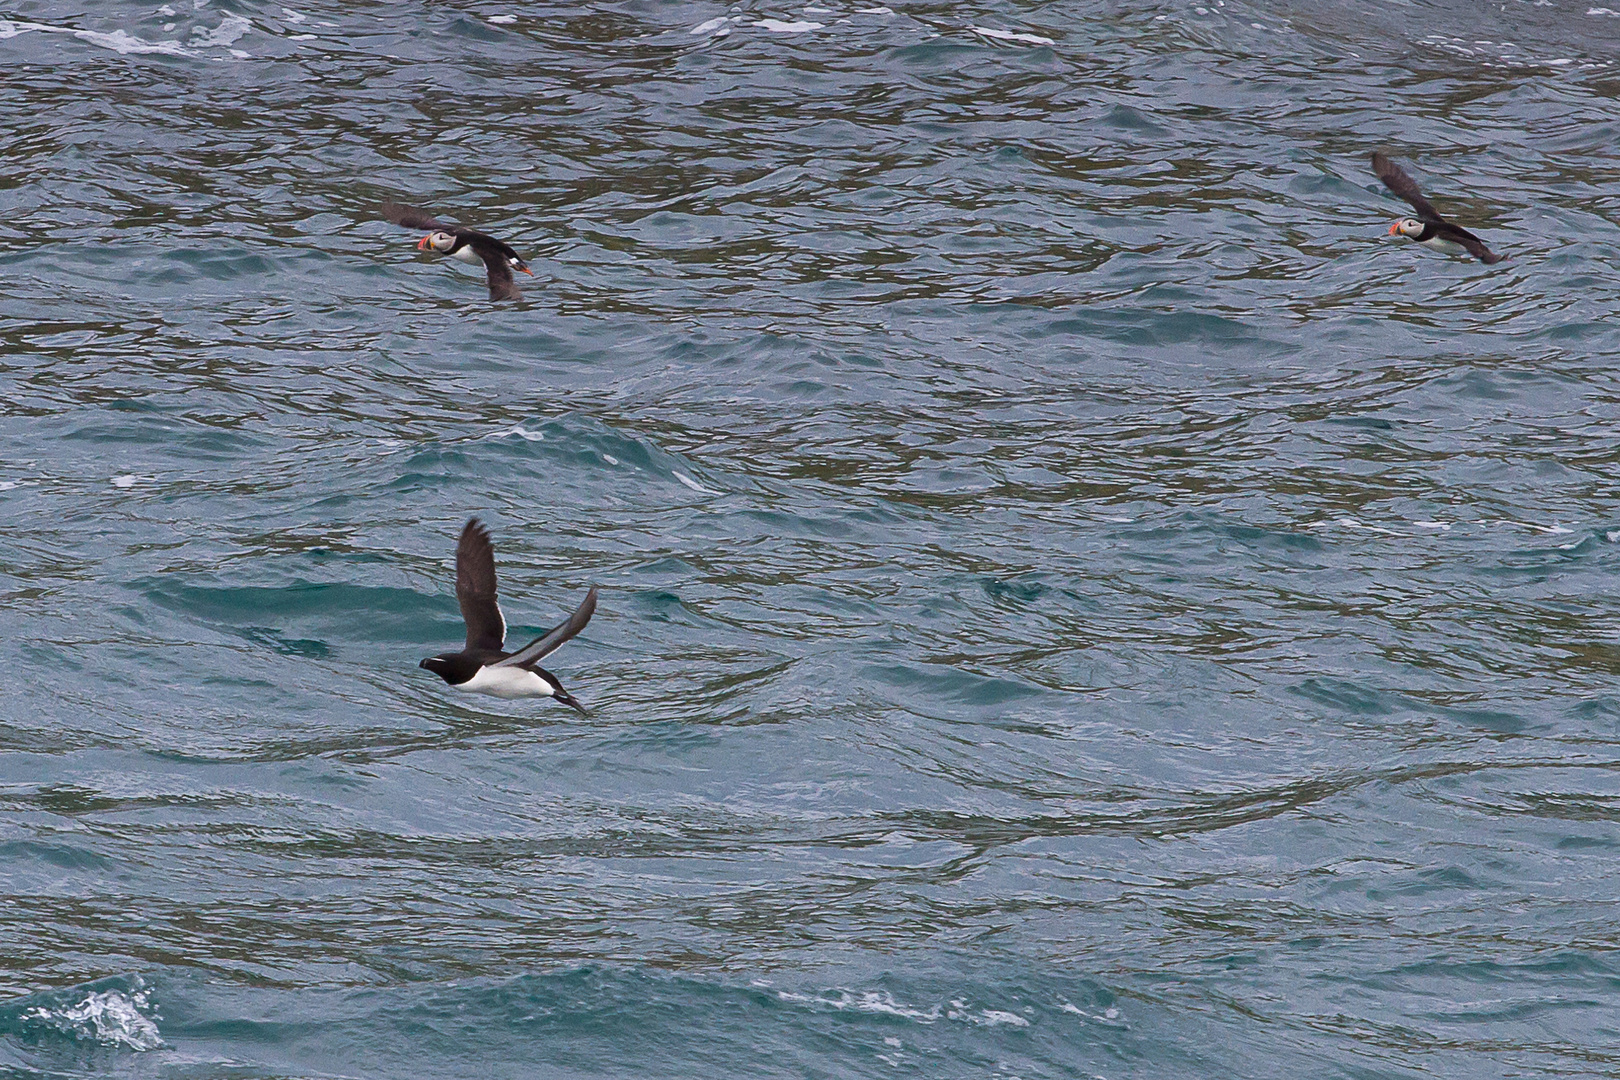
point(1077, 598)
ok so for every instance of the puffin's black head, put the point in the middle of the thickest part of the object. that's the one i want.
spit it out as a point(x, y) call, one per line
point(453, 668)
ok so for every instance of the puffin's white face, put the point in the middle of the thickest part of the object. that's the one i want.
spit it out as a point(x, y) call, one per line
point(439, 241)
point(1407, 227)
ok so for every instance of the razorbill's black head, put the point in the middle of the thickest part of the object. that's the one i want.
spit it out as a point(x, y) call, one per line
point(1428, 227)
point(466, 245)
point(482, 667)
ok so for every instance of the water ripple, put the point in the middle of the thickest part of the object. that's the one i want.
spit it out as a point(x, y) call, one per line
point(1077, 597)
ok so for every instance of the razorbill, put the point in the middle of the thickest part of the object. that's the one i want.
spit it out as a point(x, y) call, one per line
point(464, 244)
point(1428, 227)
point(482, 667)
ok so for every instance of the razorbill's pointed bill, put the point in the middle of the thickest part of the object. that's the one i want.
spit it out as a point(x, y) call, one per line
point(483, 667)
point(1428, 227)
point(464, 244)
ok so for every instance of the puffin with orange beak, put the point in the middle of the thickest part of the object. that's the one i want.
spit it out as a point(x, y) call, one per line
point(1428, 228)
point(466, 245)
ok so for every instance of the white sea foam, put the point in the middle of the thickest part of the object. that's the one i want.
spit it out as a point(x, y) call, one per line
point(118, 40)
point(109, 1017)
point(128, 480)
point(691, 483)
point(1509, 52)
point(228, 32)
point(719, 27)
point(503, 20)
point(960, 1010)
point(997, 1016)
point(868, 1001)
point(1008, 35)
point(777, 26)
point(1433, 525)
point(610, 459)
point(876, 1001)
point(128, 44)
point(523, 433)
point(293, 16)
point(1352, 523)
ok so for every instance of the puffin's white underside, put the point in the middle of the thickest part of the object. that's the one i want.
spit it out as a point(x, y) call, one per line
point(467, 255)
point(1450, 247)
point(507, 682)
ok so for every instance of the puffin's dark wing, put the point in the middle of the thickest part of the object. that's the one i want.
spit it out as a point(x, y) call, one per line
point(475, 588)
point(547, 643)
point(501, 286)
point(513, 259)
point(1475, 246)
point(412, 218)
point(1402, 185)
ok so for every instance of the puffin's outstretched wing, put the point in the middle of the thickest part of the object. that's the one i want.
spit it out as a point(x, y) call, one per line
point(1401, 184)
point(1473, 244)
point(501, 285)
point(412, 218)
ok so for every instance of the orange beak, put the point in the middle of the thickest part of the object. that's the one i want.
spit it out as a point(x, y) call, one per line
point(422, 243)
point(526, 270)
point(1393, 229)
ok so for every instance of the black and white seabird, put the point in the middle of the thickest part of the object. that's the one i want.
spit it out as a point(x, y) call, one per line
point(464, 244)
point(1428, 227)
point(482, 667)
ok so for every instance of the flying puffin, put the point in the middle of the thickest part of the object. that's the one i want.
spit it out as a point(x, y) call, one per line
point(1428, 227)
point(466, 245)
point(484, 667)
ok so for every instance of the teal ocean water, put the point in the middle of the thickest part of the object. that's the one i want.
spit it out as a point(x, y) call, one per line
point(1077, 598)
